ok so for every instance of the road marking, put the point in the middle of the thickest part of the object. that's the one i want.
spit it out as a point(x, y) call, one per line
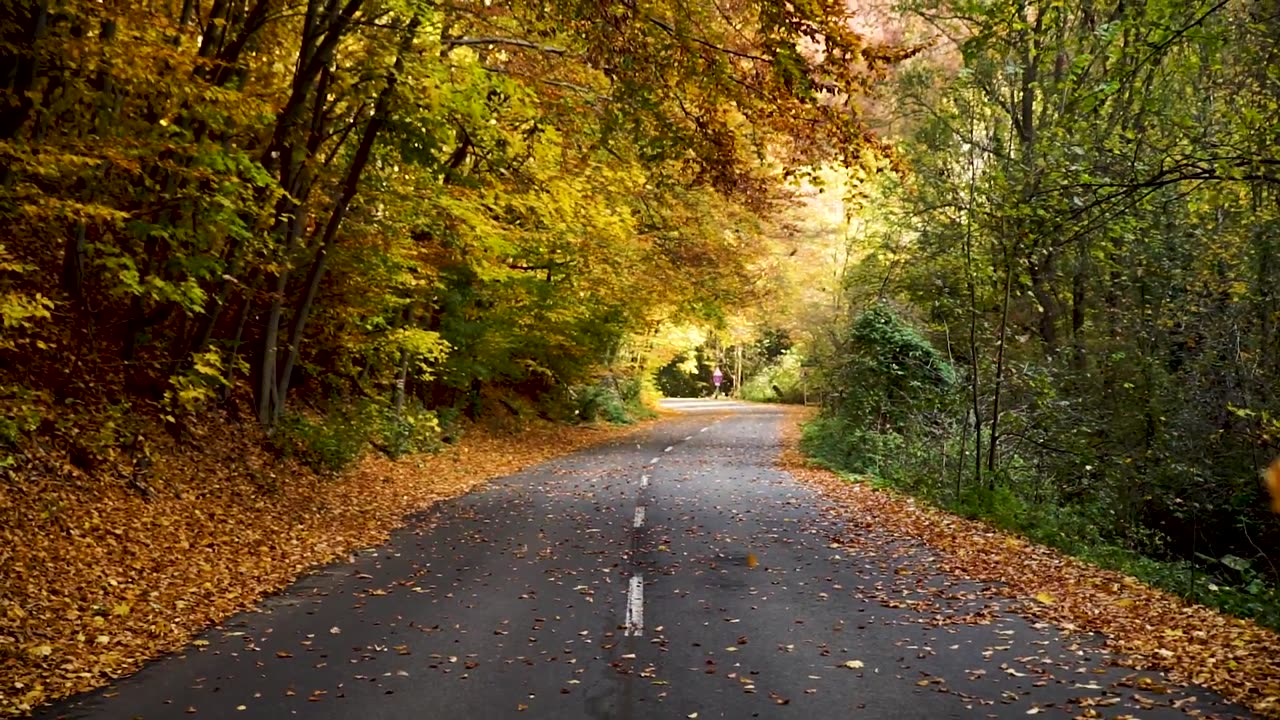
point(669, 448)
point(635, 607)
point(705, 429)
point(644, 481)
point(687, 438)
point(638, 521)
point(654, 461)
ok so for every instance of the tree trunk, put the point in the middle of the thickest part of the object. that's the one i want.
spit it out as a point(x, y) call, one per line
point(402, 377)
point(267, 410)
point(1079, 299)
point(350, 186)
point(286, 158)
point(1042, 274)
point(737, 372)
point(974, 381)
point(233, 349)
point(999, 381)
point(73, 262)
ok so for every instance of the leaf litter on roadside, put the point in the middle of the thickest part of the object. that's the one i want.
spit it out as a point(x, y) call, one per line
point(1149, 629)
point(91, 588)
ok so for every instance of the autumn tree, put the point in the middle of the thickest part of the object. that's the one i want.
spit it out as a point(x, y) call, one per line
point(226, 204)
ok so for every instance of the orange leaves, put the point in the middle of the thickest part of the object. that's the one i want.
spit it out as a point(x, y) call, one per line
point(1148, 628)
point(1272, 480)
point(98, 579)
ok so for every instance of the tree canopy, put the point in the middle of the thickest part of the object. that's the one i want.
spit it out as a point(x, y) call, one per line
point(224, 202)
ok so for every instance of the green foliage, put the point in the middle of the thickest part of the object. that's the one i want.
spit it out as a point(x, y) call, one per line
point(18, 309)
point(449, 420)
point(196, 387)
point(594, 402)
point(330, 443)
point(779, 381)
point(1022, 504)
point(889, 373)
point(687, 375)
point(21, 409)
point(333, 441)
point(503, 204)
point(1081, 231)
point(413, 430)
point(615, 400)
point(846, 445)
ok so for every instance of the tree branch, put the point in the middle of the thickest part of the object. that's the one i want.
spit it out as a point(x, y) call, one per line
point(706, 43)
point(516, 42)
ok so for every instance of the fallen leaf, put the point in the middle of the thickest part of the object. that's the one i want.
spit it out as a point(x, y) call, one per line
point(1145, 627)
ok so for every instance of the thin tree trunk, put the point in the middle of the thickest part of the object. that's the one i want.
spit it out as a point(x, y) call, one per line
point(350, 186)
point(319, 42)
point(299, 195)
point(964, 445)
point(1042, 275)
point(974, 382)
point(73, 261)
point(234, 349)
point(267, 411)
point(737, 371)
point(995, 400)
point(401, 379)
point(107, 111)
point(1079, 300)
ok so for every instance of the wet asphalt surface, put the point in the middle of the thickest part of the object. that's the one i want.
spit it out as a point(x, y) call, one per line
point(749, 601)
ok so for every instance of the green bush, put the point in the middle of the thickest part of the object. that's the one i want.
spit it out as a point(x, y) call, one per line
point(414, 430)
point(890, 374)
point(328, 444)
point(449, 420)
point(630, 391)
point(596, 402)
point(848, 446)
point(616, 400)
point(20, 412)
point(1015, 503)
point(334, 441)
point(687, 375)
point(779, 381)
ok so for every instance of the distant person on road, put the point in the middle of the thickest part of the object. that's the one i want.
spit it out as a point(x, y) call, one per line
point(717, 377)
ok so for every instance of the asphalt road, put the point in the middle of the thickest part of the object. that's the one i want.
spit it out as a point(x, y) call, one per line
point(677, 574)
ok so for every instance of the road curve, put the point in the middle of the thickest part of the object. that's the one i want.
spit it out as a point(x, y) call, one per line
point(673, 574)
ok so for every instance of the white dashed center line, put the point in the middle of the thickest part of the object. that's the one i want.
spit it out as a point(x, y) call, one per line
point(705, 429)
point(653, 461)
point(644, 481)
point(669, 448)
point(635, 607)
point(638, 521)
